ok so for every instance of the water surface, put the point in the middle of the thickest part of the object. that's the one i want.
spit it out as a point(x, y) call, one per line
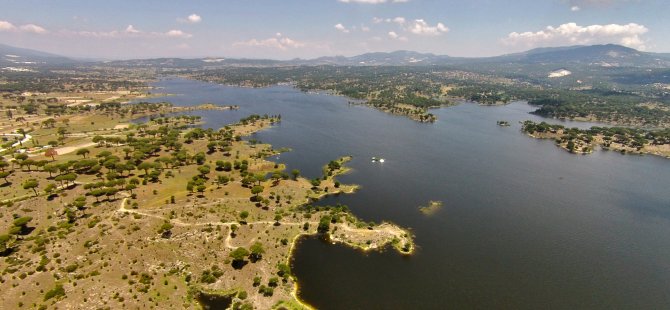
point(524, 224)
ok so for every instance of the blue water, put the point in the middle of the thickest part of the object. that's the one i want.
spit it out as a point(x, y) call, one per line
point(524, 223)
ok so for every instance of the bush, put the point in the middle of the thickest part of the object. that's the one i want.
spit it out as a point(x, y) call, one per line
point(56, 292)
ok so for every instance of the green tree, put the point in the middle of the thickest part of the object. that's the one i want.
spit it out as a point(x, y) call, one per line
point(257, 251)
point(126, 151)
point(56, 292)
point(51, 169)
point(190, 186)
point(204, 170)
point(283, 270)
point(31, 184)
point(21, 156)
point(257, 189)
point(6, 244)
point(100, 140)
point(199, 158)
point(4, 175)
point(333, 165)
point(244, 215)
point(49, 123)
point(83, 152)
point(571, 146)
point(227, 166)
point(211, 147)
point(50, 188)
point(145, 166)
point(3, 164)
point(222, 180)
point(259, 178)
point(276, 176)
point(20, 225)
point(324, 224)
point(239, 254)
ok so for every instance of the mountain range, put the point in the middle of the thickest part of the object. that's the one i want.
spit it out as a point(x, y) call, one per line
point(609, 55)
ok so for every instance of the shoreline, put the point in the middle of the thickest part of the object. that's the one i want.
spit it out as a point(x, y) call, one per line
point(386, 231)
point(452, 101)
point(212, 216)
point(584, 142)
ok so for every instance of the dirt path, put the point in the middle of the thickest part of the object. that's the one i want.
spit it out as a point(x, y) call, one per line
point(351, 233)
point(179, 223)
point(70, 149)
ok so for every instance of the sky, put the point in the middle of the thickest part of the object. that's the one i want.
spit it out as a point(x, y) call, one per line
point(287, 29)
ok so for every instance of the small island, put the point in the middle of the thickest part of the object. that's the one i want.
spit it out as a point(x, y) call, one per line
point(205, 107)
point(432, 207)
point(503, 123)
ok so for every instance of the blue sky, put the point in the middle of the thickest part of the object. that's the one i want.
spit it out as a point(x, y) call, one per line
point(284, 29)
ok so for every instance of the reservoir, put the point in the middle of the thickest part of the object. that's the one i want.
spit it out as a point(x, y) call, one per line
point(523, 223)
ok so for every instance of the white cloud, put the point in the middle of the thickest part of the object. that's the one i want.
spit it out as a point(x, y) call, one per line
point(571, 34)
point(131, 29)
point(365, 28)
point(32, 28)
point(417, 26)
point(575, 8)
point(420, 27)
point(129, 32)
point(373, 1)
point(194, 18)
point(28, 28)
point(178, 34)
point(191, 19)
point(341, 28)
point(278, 41)
point(6, 26)
point(399, 20)
point(393, 35)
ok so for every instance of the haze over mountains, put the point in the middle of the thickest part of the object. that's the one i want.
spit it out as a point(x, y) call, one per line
point(594, 55)
point(21, 57)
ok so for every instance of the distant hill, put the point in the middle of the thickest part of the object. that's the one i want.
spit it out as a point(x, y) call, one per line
point(17, 57)
point(609, 55)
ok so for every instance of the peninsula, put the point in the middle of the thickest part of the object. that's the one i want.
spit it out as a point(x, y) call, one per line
point(100, 211)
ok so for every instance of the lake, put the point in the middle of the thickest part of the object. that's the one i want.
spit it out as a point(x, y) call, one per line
point(524, 224)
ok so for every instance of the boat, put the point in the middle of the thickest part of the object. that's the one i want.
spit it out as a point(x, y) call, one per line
point(375, 159)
